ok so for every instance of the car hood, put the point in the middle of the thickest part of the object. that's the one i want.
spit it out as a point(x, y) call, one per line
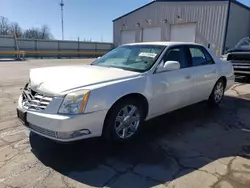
point(56, 80)
point(239, 49)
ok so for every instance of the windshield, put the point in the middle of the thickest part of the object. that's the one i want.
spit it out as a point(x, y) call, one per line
point(244, 42)
point(139, 58)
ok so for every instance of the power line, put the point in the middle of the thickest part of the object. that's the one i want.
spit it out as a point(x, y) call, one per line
point(62, 5)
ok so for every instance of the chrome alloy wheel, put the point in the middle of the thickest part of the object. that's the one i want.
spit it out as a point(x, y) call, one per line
point(218, 92)
point(127, 121)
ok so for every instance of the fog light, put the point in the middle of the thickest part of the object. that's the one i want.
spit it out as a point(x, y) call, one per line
point(65, 135)
point(81, 133)
point(84, 131)
point(73, 134)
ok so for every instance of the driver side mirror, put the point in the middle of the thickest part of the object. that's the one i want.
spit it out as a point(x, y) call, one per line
point(168, 66)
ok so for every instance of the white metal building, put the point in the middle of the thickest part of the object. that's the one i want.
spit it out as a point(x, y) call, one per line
point(219, 24)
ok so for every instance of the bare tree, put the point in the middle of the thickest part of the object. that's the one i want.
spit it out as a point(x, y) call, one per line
point(45, 32)
point(7, 28)
point(32, 33)
point(16, 29)
point(37, 33)
point(4, 26)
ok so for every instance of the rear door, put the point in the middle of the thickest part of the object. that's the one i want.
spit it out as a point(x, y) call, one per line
point(204, 72)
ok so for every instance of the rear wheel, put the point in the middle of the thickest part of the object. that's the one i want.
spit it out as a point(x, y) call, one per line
point(124, 120)
point(218, 93)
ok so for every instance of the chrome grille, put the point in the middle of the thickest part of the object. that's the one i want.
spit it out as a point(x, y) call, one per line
point(43, 131)
point(35, 101)
point(240, 62)
point(242, 57)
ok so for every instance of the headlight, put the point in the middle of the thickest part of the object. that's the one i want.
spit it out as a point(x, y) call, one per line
point(74, 103)
point(224, 57)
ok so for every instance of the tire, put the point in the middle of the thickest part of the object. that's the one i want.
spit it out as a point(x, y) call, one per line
point(121, 127)
point(217, 94)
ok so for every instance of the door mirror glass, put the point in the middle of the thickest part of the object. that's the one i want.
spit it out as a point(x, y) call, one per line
point(168, 66)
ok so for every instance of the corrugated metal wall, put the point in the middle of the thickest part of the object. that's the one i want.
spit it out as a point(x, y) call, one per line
point(210, 18)
point(238, 25)
point(7, 43)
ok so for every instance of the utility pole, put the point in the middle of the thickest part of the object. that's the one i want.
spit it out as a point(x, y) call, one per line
point(62, 5)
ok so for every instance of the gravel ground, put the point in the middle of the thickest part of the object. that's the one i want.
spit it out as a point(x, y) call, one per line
point(195, 147)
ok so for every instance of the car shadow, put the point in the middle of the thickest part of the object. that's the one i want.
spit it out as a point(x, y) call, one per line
point(198, 133)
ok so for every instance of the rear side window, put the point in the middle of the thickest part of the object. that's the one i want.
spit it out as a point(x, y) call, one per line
point(208, 56)
point(200, 56)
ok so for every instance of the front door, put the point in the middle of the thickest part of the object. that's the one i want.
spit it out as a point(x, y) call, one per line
point(172, 89)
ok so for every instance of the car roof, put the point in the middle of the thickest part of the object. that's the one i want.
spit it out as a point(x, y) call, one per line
point(163, 43)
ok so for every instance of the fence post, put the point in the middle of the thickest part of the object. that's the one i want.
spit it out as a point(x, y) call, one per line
point(78, 47)
point(58, 49)
point(16, 45)
point(95, 50)
point(36, 48)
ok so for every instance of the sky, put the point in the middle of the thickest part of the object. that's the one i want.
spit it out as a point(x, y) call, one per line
point(86, 19)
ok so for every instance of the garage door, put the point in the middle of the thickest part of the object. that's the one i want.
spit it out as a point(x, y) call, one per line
point(183, 32)
point(127, 37)
point(151, 34)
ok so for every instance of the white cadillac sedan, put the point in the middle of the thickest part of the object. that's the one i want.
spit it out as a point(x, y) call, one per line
point(117, 92)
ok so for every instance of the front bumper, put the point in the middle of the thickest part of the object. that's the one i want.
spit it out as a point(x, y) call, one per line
point(63, 128)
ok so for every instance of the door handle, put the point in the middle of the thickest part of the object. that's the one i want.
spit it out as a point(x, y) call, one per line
point(188, 77)
point(211, 73)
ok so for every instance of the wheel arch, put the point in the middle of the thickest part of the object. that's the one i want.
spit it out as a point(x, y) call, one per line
point(224, 79)
point(138, 96)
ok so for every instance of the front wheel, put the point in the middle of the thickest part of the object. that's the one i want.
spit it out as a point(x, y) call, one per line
point(123, 121)
point(217, 93)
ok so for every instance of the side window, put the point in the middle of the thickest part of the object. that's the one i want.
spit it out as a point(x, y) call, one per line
point(176, 54)
point(208, 56)
point(198, 57)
